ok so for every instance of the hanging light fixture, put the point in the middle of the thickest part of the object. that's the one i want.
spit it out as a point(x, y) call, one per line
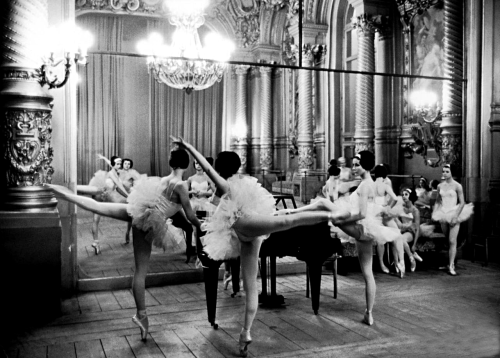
point(186, 64)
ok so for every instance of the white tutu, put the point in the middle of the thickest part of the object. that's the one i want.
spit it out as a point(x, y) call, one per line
point(151, 211)
point(245, 197)
point(373, 227)
point(446, 214)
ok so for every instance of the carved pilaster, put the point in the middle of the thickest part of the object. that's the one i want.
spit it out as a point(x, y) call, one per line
point(452, 91)
point(239, 132)
point(364, 111)
point(266, 128)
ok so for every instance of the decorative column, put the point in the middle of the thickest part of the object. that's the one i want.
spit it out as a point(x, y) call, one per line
point(385, 131)
point(363, 132)
point(239, 132)
point(266, 113)
point(26, 111)
point(451, 151)
point(305, 122)
point(30, 226)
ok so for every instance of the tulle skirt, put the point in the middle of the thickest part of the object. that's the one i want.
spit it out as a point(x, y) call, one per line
point(245, 197)
point(151, 212)
point(371, 227)
point(446, 214)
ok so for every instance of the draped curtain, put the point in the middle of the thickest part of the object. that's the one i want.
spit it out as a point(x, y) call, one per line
point(196, 117)
point(99, 93)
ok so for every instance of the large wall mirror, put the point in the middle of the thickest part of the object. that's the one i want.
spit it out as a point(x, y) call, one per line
point(353, 96)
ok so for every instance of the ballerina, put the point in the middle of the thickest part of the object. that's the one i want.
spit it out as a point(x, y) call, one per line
point(104, 187)
point(384, 196)
point(365, 225)
point(128, 177)
point(450, 210)
point(245, 216)
point(150, 204)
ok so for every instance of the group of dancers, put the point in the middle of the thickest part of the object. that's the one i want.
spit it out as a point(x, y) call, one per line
point(413, 213)
point(244, 216)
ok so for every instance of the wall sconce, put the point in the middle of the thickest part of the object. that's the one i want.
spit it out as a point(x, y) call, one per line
point(426, 127)
point(62, 47)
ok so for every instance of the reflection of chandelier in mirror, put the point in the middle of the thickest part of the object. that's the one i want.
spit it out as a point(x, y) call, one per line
point(426, 131)
point(186, 64)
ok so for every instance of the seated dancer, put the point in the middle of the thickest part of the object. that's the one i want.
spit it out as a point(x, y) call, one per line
point(105, 187)
point(129, 177)
point(151, 203)
point(450, 210)
point(245, 216)
point(407, 218)
point(365, 224)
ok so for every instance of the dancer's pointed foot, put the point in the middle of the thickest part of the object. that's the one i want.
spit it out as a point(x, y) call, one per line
point(96, 247)
point(401, 268)
point(413, 263)
point(384, 268)
point(368, 318)
point(417, 257)
point(245, 340)
point(451, 270)
point(143, 324)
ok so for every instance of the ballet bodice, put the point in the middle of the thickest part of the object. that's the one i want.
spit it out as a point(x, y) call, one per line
point(449, 197)
point(199, 186)
point(380, 200)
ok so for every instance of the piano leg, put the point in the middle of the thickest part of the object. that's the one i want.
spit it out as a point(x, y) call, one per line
point(235, 275)
point(315, 269)
point(211, 278)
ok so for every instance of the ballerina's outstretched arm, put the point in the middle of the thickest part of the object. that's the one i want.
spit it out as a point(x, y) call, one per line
point(112, 210)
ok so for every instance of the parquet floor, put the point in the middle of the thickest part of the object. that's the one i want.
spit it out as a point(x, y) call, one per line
point(427, 314)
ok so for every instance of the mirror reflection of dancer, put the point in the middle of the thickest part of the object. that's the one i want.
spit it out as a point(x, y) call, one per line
point(151, 203)
point(450, 210)
point(128, 177)
point(244, 218)
point(365, 225)
point(105, 187)
point(200, 188)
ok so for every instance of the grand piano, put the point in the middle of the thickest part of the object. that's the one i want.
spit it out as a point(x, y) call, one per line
point(311, 244)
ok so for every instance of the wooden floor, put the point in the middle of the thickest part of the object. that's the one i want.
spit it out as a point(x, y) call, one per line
point(426, 314)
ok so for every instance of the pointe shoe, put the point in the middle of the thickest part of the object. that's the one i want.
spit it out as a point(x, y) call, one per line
point(227, 280)
point(413, 263)
point(400, 266)
point(368, 318)
point(384, 269)
point(97, 248)
point(245, 340)
point(143, 324)
point(417, 257)
point(451, 270)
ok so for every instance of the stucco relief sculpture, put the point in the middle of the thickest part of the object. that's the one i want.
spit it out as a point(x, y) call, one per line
point(246, 15)
point(27, 136)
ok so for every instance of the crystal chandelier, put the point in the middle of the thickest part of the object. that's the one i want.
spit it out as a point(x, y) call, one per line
point(186, 64)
